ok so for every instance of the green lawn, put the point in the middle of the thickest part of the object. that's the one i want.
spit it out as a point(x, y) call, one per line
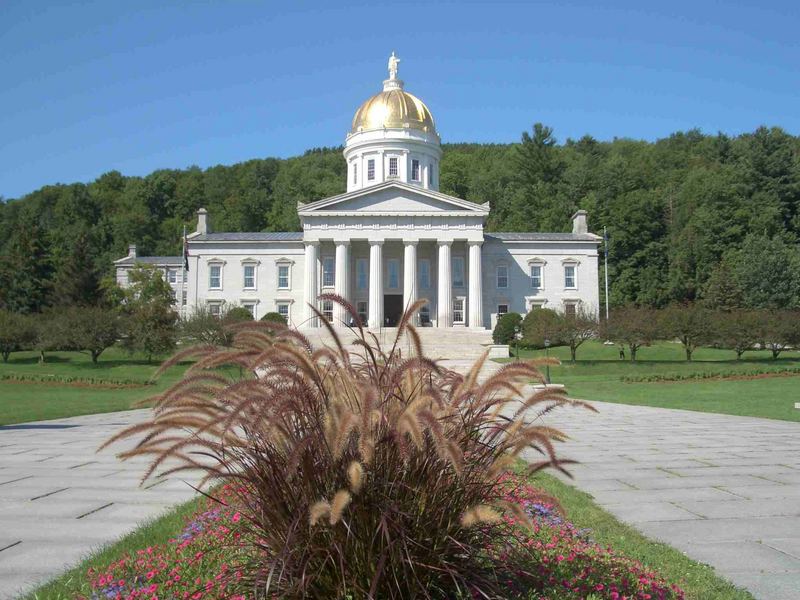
point(699, 581)
point(32, 401)
point(596, 375)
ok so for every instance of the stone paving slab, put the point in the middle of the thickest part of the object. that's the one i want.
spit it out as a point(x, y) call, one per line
point(723, 489)
point(60, 500)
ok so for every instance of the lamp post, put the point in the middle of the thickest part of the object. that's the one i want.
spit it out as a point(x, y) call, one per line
point(517, 337)
point(547, 355)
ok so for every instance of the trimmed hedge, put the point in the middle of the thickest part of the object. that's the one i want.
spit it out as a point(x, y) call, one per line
point(504, 330)
point(664, 377)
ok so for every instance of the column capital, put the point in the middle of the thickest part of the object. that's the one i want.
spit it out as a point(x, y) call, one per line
point(311, 242)
point(342, 242)
point(475, 242)
point(441, 243)
point(376, 242)
point(410, 242)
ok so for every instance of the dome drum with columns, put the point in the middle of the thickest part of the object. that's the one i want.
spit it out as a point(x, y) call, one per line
point(390, 239)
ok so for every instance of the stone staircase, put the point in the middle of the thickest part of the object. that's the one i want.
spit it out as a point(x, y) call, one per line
point(461, 344)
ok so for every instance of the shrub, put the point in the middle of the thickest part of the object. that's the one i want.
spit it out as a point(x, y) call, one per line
point(504, 330)
point(274, 317)
point(688, 323)
point(361, 473)
point(91, 328)
point(237, 314)
point(203, 327)
point(541, 324)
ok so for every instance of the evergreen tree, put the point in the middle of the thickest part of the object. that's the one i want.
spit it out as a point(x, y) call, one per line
point(77, 281)
point(25, 271)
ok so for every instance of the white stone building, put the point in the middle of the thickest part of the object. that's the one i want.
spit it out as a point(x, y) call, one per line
point(390, 239)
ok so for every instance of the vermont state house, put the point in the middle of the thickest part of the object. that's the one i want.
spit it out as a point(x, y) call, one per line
point(392, 238)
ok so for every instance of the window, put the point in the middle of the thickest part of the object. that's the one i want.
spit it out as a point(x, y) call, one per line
point(458, 310)
point(371, 169)
point(502, 276)
point(458, 271)
point(534, 304)
point(361, 273)
point(430, 175)
point(327, 310)
point(536, 276)
point(393, 269)
point(424, 274)
point(569, 276)
point(185, 276)
point(425, 315)
point(415, 170)
point(250, 307)
point(569, 309)
point(355, 173)
point(502, 309)
point(328, 271)
point(215, 277)
point(214, 308)
point(172, 275)
point(361, 309)
point(249, 277)
point(183, 299)
point(283, 310)
point(174, 294)
point(283, 277)
point(393, 166)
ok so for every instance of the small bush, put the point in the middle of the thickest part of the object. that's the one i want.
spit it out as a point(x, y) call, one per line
point(504, 330)
point(274, 317)
point(361, 472)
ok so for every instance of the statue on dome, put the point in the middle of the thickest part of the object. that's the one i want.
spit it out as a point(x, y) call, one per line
point(393, 62)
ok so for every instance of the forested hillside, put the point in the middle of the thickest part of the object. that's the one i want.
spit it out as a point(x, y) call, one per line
point(691, 216)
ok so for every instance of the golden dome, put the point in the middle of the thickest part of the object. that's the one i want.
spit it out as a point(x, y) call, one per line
point(393, 108)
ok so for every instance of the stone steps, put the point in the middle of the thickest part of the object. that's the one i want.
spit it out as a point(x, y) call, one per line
point(460, 343)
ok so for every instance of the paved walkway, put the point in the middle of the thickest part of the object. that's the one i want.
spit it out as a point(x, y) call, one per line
point(725, 490)
point(60, 500)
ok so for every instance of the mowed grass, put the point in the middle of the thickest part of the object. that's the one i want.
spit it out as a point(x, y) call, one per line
point(597, 373)
point(698, 580)
point(22, 401)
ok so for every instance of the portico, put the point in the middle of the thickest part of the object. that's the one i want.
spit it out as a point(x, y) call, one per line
point(382, 277)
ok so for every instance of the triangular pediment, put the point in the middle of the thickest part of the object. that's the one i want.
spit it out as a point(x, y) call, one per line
point(394, 198)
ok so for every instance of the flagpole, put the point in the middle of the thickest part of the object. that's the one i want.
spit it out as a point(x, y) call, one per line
point(184, 259)
point(605, 244)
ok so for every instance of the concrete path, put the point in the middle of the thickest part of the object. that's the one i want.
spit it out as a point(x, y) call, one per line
point(725, 490)
point(60, 500)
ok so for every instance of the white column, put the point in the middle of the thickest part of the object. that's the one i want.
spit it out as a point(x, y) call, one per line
point(376, 284)
point(475, 299)
point(444, 298)
point(310, 289)
point(342, 282)
point(410, 277)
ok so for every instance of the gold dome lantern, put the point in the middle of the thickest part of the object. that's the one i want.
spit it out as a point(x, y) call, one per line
point(393, 108)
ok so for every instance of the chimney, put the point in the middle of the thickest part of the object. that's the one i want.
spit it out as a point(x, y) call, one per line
point(202, 221)
point(579, 224)
point(132, 251)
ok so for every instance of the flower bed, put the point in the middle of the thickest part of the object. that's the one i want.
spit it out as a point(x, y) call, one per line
point(201, 561)
point(722, 375)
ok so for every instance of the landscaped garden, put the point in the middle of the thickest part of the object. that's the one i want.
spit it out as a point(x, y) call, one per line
point(361, 472)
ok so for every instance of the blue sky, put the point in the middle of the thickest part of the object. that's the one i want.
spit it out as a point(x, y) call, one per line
point(87, 87)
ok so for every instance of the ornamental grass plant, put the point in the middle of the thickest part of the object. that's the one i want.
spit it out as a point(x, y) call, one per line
point(359, 471)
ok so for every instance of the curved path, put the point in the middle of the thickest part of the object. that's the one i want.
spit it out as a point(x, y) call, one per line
point(723, 489)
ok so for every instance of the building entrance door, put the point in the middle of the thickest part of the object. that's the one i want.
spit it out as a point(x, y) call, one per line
point(392, 309)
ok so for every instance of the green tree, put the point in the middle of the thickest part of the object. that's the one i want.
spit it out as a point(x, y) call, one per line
point(77, 281)
point(631, 326)
point(738, 329)
point(505, 329)
point(16, 333)
point(541, 324)
point(92, 329)
point(151, 321)
point(25, 271)
point(688, 323)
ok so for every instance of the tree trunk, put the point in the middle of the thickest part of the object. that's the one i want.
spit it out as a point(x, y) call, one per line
point(775, 352)
point(688, 352)
point(573, 350)
point(739, 354)
point(95, 356)
point(5, 356)
point(633, 350)
point(41, 357)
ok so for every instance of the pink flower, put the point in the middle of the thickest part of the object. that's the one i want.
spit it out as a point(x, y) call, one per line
point(236, 517)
